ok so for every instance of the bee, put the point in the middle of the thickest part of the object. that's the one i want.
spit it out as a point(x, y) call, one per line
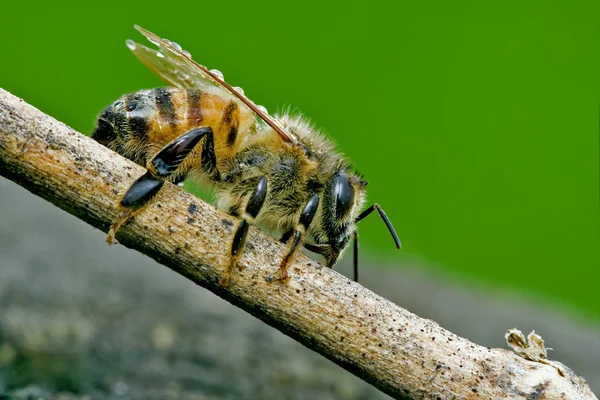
point(278, 172)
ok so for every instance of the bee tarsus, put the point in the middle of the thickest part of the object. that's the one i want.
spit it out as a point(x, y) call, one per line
point(308, 213)
point(253, 207)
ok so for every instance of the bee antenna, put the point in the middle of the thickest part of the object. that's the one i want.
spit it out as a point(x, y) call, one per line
point(385, 219)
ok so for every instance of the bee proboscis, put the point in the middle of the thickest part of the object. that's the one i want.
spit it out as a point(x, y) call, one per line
point(276, 172)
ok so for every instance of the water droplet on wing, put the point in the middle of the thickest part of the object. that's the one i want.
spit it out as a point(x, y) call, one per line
point(187, 54)
point(130, 44)
point(217, 73)
point(160, 55)
point(176, 45)
point(239, 90)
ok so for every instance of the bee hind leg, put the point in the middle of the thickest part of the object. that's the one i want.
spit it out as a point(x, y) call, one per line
point(138, 194)
point(255, 203)
point(297, 234)
point(159, 169)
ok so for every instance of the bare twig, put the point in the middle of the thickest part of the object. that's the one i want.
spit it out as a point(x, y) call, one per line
point(398, 352)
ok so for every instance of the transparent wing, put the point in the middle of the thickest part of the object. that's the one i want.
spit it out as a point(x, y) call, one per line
point(177, 68)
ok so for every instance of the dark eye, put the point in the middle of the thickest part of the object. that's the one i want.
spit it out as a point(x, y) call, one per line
point(344, 193)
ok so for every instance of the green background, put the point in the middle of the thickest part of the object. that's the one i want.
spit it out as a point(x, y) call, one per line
point(476, 123)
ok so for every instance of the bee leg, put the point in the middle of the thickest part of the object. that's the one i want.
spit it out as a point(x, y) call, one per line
point(305, 219)
point(355, 235)
point(138, 194)
point(159, 169)
point(253, 207)
point(164, 164)
point(286, 236)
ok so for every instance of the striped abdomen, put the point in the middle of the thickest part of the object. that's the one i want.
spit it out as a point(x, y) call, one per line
point(138, 125)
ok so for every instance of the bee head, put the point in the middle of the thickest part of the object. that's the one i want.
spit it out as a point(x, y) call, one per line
point(343, 198)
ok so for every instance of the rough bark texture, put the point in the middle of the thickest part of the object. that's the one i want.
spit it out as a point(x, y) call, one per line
point(398, 352)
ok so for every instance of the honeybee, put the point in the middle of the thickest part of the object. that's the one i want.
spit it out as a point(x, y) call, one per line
point(276, 172)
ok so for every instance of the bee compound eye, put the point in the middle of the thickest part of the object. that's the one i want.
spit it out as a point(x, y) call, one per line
point(344, 193)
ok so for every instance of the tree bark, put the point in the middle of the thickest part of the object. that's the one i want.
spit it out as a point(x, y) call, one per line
point(403, 355)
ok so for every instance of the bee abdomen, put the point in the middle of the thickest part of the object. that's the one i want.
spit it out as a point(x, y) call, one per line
point(139, 111)
point(125, 126)
point(105, 131)
point(121, 132)
point(138, 125)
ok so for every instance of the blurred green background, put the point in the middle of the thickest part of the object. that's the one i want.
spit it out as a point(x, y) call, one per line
point(476, 123)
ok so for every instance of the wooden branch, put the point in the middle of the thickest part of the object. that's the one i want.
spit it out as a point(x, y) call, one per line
point(403, 355)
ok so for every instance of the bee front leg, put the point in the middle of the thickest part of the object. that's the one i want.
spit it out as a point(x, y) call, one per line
point(297, 235)
point(159, 169)
point(253, 207)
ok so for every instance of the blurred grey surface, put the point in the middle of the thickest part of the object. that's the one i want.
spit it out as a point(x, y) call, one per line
point(79, 319)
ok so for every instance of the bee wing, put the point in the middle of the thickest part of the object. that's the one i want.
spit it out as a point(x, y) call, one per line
point(177, 68)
